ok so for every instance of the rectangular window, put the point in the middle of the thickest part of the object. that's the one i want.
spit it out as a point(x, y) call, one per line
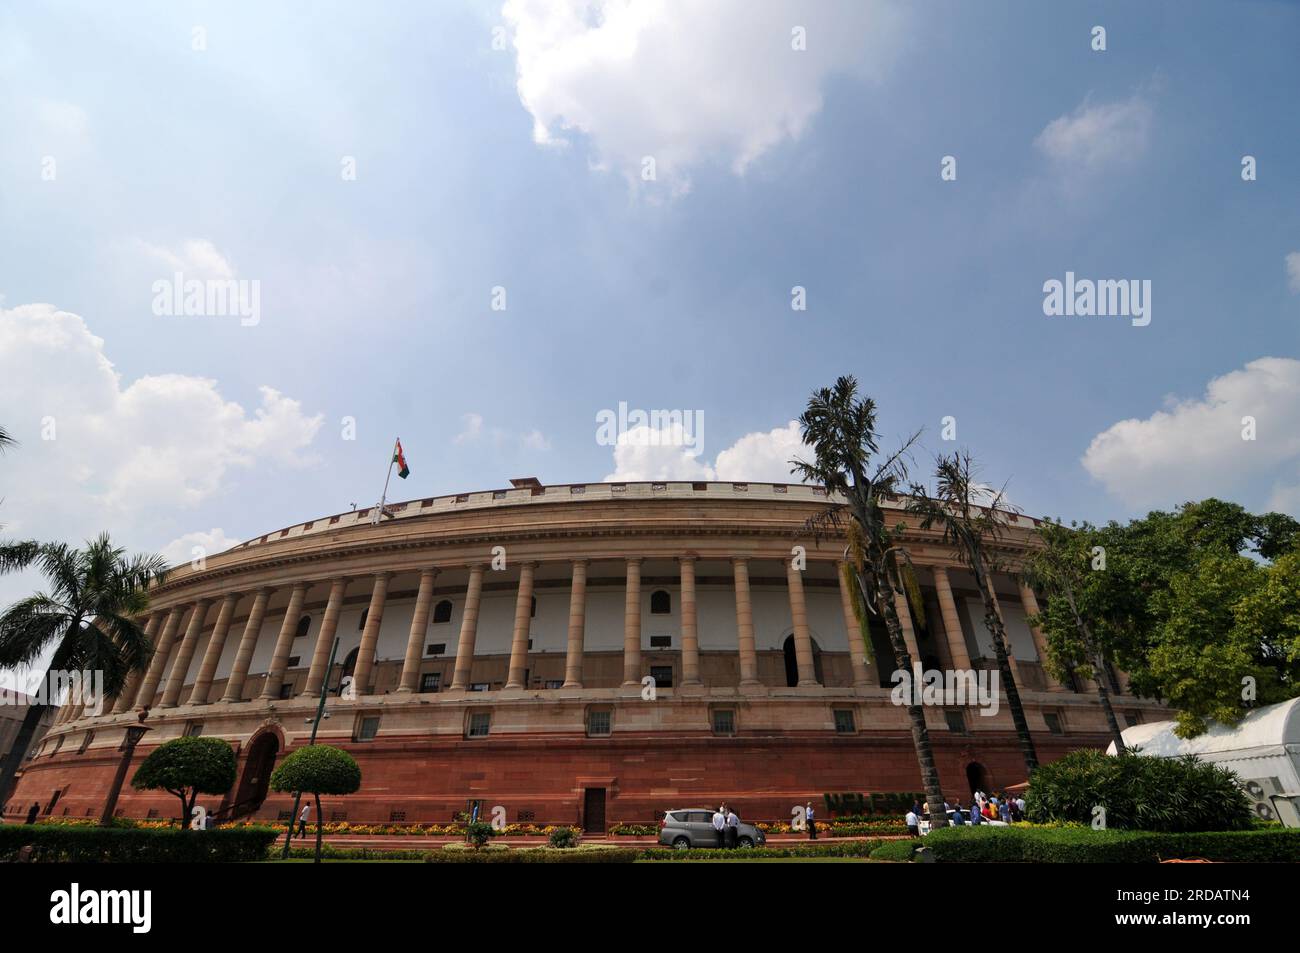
point(194, 729)
point(437, 648)
point(661, 641)
point(1053, 721)
point(286, 690)
point(294, 661)
point(724, 721)
point(598, 722)
point(1132, 718)
point(663, 675)
point(430, 681)
point(554, 683)
point(844, 723)
point(956, 720)
point(479, 687)
point(480, 722)
point(396, 817)
point(367, 728)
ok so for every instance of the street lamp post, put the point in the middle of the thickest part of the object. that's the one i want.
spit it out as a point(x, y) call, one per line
point(133, 735)
point(315, 726)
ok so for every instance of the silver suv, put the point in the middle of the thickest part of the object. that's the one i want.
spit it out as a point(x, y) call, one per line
point(693, 827)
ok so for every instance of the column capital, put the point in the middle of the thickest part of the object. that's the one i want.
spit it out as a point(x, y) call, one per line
point(383, 574)
point(634, 560)
point(687, 558)
point(740, 560)
point(479, 564)
point(581, 561)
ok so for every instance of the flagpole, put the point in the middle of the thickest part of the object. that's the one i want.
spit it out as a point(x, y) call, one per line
point(379, 514)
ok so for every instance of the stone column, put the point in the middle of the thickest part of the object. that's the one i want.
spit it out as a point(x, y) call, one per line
point(745, 624)
point(803, 652)
point(857, 648)
point(132, 686)
point(284, 644)
point(162, 652)
point(632, 624)
point(419, 629)
point(1030, 603)
point(244, 655)
point(690, 627)
point(577, 625)
point(329, 625)
point(185, 654)
point(468, 630)
point(212, 654)
point(951, 621)
point(361, 674)
point(905, 622)
point(523, 622)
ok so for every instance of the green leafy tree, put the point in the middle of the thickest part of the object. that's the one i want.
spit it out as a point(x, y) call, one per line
point(972, 519)
point(840, 428)
point(188, 767)
point(317, 770)
point(1062, 572)
point(88, 618)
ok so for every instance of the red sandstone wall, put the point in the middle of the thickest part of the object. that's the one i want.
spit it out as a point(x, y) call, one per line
point(762, 777)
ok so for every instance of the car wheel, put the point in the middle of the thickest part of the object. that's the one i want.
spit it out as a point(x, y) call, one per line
point(746, 842)
point(681, 843)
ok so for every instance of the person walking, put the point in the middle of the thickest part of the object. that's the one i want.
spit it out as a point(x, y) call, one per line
point(733, 828)
point(812, 821)
point(720, 825)
point(913, 823)
point(302, 820)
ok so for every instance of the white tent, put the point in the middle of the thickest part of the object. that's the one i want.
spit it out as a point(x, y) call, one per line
point(1263, 750)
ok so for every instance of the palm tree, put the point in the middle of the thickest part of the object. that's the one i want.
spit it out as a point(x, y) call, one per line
point(971, 516)
point(841, 430)
point(88, 617)
point(1060, 569)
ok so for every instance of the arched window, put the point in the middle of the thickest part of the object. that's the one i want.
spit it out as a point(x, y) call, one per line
point(442, 611)
point(303, 625)
point(532, 612)
point(660, 602)
point(362, 624)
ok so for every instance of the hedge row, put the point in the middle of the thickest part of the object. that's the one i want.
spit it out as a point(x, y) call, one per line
point(614, 855)
point(115, 845)
point(857, 848)
point(1081, 845)
point(896, 850)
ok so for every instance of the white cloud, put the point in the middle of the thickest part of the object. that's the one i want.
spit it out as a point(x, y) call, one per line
point(122, 456)
point(1195, 448)
point(185, 548)
point(1293, 271)
point(687, 84)
point(643, 453)
point(535, 440)
point(194, 258)
point(473, 428)
point(1096, 135)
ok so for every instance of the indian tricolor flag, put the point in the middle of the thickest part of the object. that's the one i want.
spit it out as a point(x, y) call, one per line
point(400, 459)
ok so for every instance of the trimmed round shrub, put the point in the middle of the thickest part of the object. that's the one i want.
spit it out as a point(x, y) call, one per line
point(1138, 793)
point(896, 850)
point(564, 837)
point(188, 767)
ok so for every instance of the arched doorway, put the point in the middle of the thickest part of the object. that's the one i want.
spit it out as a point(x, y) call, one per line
point(349, 666)
point(977, 777)
point(256, 779)
point(792, 662)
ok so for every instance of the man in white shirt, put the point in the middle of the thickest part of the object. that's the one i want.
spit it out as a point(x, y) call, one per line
point(733, 828)
point(302, 820)
point(719, 825)
point(913, 824)
point(812, 821)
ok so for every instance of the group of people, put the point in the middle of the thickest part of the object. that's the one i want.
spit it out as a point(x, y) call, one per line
point(984, 809)
point(726, 824)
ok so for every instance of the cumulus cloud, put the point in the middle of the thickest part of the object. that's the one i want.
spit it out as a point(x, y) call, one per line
point(687, 83)
point(1097, 135)
point(104, 454)
point(1195, 447)
point(668, 453)
point(197, 545)
point(194, 258)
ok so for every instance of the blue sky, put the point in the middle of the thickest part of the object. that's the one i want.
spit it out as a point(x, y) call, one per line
point(776, 168)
